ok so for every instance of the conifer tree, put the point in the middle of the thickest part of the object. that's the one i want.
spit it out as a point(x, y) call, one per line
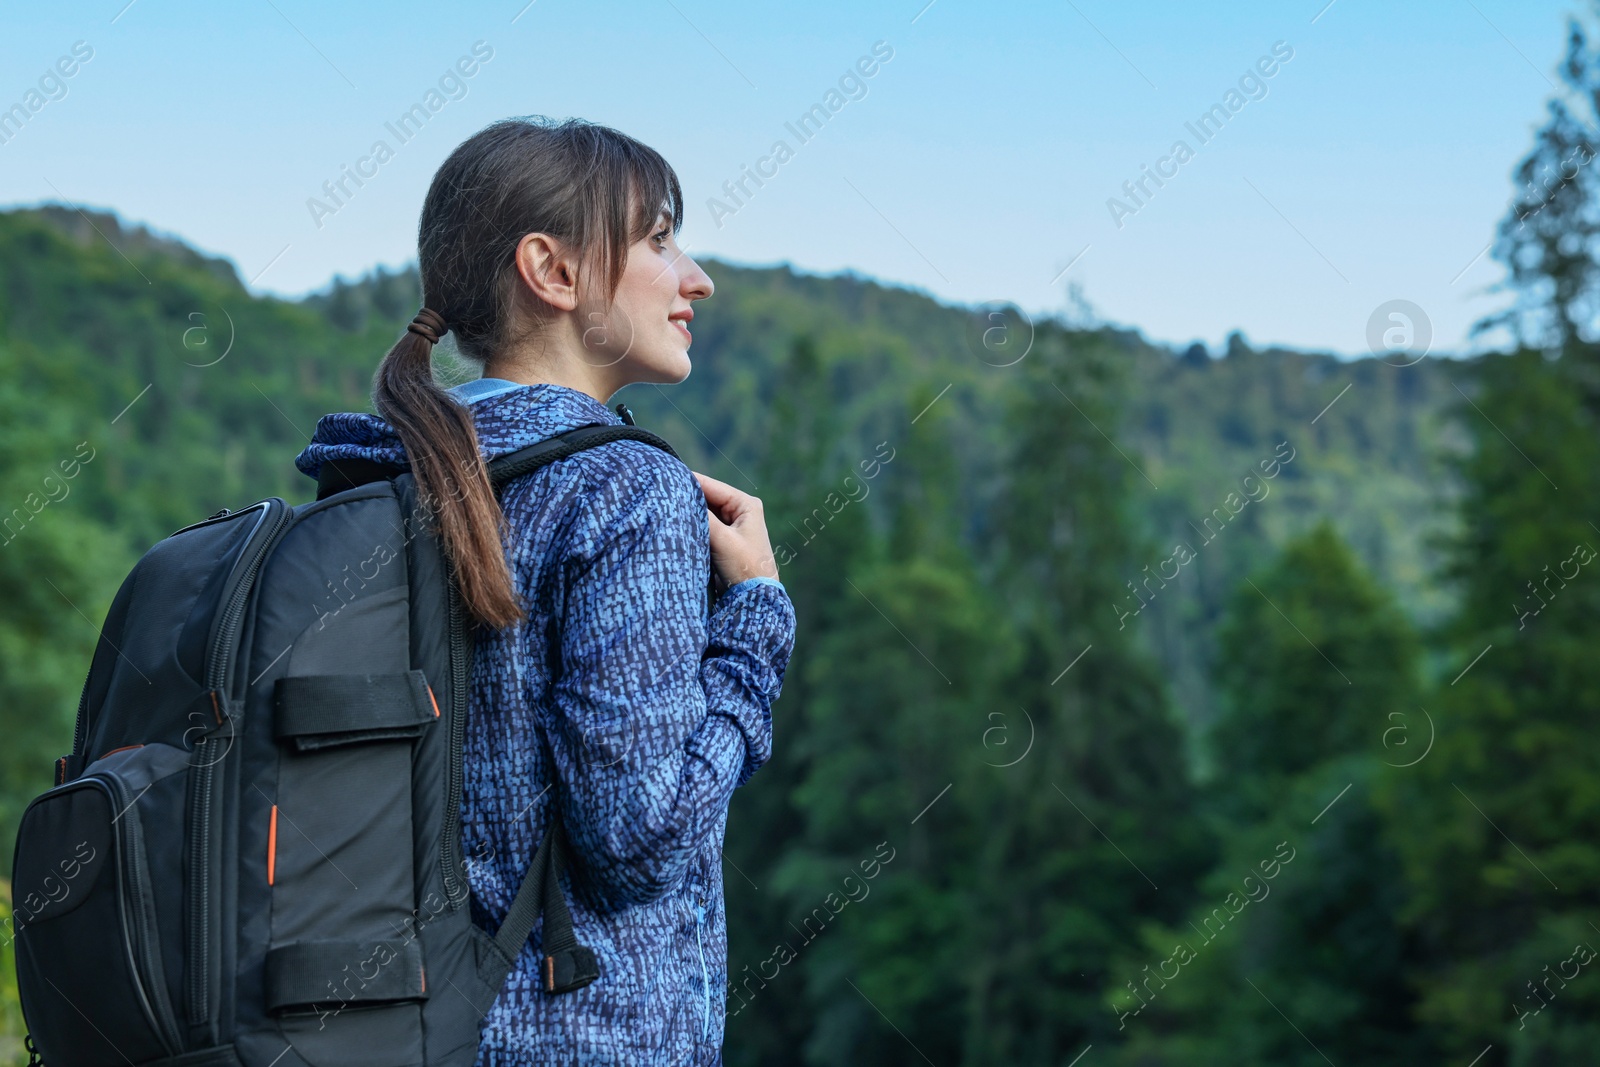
point(814, 537)
point(1296, 950)
point(1549, 239)
point(1499, 825)
point(892, 738)
point(1101, 833)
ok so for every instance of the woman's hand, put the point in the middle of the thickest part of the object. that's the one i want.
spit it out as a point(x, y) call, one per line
point(740, 548)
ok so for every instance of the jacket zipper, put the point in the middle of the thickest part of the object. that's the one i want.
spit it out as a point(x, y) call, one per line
point(152, 995)
point(449, 843)
point(275, 516)
point(705, 975)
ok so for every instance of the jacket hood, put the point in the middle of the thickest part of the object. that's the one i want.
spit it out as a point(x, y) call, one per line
point(509, 416)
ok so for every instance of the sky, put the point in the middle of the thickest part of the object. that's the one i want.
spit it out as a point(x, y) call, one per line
point(982, 160)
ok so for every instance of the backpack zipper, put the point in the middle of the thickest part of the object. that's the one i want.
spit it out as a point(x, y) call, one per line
point(449, 842)
point(80, 726)
point(142, 948)
point(207, 784)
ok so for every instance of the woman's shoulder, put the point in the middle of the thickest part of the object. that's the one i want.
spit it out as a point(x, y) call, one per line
point(633, 463)
point(624, 471)
point(610, 487)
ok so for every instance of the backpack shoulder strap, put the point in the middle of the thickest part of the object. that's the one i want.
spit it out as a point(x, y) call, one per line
point(515, 464)
point(565, 964)
point(337, 475)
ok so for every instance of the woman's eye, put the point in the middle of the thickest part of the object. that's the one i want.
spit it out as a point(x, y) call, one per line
point(663, 235)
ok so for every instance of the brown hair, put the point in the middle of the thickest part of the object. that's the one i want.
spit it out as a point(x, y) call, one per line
point(588, 185)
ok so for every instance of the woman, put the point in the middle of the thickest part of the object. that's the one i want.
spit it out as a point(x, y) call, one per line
point(603, 691)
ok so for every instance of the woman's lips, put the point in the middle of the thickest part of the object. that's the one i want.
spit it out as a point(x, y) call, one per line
point(683, 328)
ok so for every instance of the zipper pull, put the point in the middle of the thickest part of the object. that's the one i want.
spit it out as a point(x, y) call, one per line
point(220, 514)
point(625, 415)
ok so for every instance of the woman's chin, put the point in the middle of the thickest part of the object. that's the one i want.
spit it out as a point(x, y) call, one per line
point(656, 368)
point(671, 368)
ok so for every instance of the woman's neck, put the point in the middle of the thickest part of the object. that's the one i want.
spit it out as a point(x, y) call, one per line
point(554, 357)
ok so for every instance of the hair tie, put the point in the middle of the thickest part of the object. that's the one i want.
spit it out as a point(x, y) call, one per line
point(430, 324)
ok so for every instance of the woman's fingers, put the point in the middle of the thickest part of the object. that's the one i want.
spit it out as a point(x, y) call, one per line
point(710, 484)
point(726, 502)
point(740, 547)
point(718, 494)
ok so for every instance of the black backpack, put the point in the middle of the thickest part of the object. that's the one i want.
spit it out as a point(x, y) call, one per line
point(252, 856)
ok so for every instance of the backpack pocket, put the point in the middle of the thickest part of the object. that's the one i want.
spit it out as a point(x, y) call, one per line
point(98, 888)
point(344, 975)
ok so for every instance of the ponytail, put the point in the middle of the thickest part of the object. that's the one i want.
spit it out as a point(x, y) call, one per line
point(452, 479)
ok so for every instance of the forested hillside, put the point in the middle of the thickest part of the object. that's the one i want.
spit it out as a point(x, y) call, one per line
point(1190, 425)
point(1013, 619)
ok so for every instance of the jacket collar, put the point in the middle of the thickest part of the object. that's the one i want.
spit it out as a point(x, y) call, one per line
point(508, 415)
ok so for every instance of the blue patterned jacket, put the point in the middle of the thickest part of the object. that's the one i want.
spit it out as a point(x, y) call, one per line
point(620, 704)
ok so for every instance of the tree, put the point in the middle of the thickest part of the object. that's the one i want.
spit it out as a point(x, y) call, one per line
point(1102, 835)
point(1303, 915)
point(1549, 239)
point(1498, 826)
point(897, 685)
point(1032, 811)
point(1312, 657)
point(815, 546)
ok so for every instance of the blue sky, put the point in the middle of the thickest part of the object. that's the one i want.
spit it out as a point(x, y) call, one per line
point(976, 166)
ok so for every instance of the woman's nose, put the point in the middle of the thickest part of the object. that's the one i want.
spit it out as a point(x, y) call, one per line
point(694, 283)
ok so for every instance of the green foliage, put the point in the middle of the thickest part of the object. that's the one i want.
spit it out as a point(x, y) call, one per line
point(58, 570)
point(1106, 835)
point(1297, 950)
point(1547, 238)
point(1064, 787)
point(1498, 825)
point(1315, 657)
point(1373, 463)
point(12, 1053)
point(931, 715)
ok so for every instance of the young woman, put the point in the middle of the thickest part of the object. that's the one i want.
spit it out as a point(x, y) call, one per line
point(603, 692)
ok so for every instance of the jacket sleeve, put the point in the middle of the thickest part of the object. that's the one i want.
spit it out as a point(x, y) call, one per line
point(657, 712)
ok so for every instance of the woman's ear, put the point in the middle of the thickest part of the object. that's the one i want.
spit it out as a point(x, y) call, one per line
point(548, 270)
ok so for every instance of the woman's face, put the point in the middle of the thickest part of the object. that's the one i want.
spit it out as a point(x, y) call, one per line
point(645, 335)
